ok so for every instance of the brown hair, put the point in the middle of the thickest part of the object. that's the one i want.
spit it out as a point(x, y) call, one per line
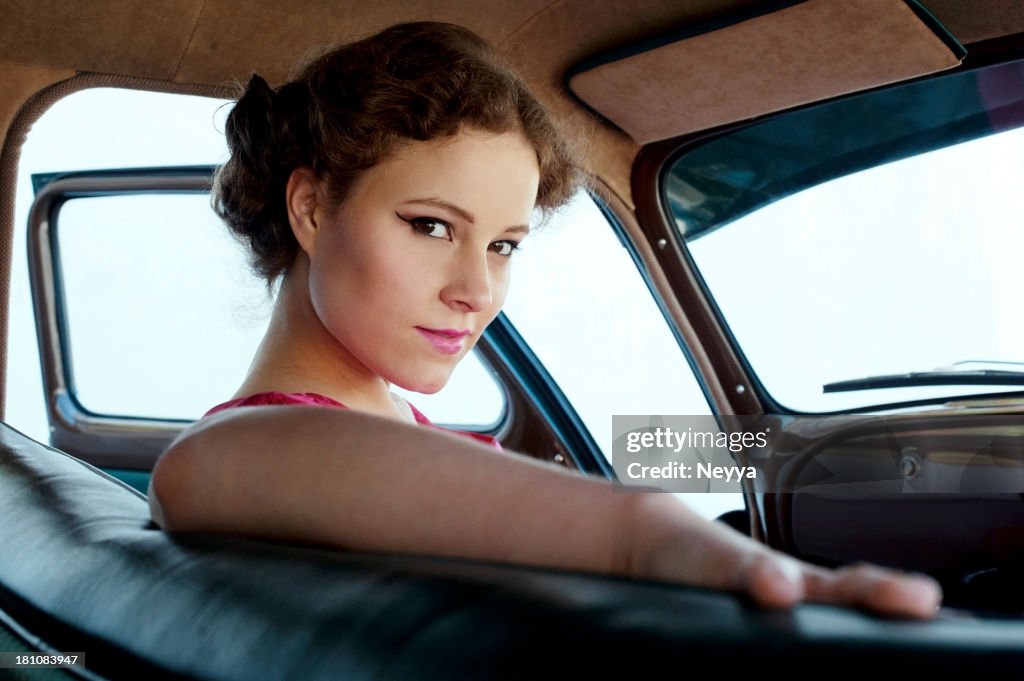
point(351, 107)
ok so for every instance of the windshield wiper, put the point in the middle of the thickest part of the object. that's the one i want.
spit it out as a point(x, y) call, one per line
point(923, 378)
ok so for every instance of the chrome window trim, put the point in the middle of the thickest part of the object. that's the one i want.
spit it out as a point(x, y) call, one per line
point(133, 443)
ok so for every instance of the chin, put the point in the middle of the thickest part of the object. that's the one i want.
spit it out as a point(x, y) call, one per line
point(421, 388)
point(425, 386)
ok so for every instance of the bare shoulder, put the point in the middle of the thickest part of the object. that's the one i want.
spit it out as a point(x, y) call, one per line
point(201, 453)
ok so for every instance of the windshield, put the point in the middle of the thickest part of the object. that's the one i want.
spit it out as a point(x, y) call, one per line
point(872, 237)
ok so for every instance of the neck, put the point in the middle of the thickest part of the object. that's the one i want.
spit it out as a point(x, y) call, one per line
point(298, 354)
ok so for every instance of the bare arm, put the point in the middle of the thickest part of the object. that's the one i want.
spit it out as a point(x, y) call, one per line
point(352, 480)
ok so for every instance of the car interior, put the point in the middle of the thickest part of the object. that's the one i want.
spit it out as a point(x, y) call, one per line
point(815, 198)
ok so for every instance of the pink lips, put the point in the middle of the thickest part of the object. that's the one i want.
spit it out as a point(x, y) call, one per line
point(447, 341)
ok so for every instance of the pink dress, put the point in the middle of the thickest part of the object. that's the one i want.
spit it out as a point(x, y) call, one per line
point(315, 399)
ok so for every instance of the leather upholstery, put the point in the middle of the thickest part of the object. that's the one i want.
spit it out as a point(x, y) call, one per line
point(83, 569)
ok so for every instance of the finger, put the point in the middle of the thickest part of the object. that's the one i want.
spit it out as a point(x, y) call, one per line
point(874, 588)
point(773, 581)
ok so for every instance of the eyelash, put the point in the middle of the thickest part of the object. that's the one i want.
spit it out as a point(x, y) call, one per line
point(513, 247)
point(424, 226)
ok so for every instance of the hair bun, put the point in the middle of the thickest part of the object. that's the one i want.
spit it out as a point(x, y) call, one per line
point(255, 172)
point(251, 128)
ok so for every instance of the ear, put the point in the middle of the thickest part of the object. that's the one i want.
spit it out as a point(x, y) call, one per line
point(302, 198)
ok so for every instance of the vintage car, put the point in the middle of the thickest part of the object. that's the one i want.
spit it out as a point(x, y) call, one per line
point(796, 207)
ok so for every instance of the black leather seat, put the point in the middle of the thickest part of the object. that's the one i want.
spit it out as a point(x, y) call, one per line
point(83, 569)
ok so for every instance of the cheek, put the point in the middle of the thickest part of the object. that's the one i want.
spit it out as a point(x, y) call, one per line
point(398, 279)
point(371, 282)
point(339, 286)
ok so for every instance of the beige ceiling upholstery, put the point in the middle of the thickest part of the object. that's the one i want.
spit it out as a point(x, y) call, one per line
point(223, 38)
point(110, 36)
point(217, 41)
point(798, 54)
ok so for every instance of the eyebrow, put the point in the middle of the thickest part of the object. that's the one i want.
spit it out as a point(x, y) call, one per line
point(463, 213)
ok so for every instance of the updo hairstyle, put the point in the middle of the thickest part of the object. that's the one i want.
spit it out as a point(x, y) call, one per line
point(348, 109)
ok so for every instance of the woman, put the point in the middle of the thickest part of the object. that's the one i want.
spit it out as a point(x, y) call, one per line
point(387, 187)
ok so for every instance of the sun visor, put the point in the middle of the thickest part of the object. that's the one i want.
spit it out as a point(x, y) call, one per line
point(736, 69)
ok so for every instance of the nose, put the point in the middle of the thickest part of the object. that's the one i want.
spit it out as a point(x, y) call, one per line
point(470, 286)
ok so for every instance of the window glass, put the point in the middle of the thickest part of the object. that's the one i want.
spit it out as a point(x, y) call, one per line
point(578, 299)
point(163, 318)
point(868, 239)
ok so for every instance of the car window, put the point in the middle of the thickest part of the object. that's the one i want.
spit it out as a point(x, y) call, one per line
point(851, 245)
point(579, 300)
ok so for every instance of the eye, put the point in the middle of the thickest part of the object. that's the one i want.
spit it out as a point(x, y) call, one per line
point(432, 227)
point(505, 248)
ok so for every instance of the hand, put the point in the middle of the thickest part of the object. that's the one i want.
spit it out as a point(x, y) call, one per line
point(776, 580)
point(678, 545)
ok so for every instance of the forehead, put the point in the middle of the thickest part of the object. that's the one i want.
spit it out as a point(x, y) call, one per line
point(480, 171)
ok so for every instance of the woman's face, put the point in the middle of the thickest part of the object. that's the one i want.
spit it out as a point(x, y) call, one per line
point(410, 269)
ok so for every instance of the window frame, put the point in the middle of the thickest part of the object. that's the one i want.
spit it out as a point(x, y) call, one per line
point(744, 392)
